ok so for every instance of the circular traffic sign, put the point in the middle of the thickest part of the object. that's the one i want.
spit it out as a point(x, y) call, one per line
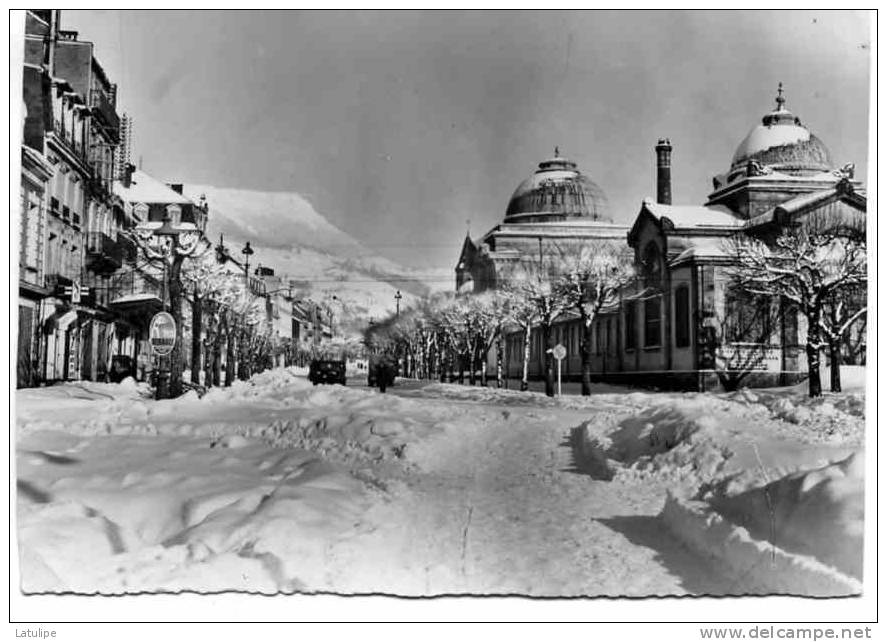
point(162, 333)
point(559, 352)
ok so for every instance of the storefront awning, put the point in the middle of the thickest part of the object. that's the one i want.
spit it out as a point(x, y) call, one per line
point(137, 308)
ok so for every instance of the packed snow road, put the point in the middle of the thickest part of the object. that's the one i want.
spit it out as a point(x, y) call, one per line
point(275, 485)
point(499, 507)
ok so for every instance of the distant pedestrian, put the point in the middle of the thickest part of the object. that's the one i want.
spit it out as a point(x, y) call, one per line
point(383, 371)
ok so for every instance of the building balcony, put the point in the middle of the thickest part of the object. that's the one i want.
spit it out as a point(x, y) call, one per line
point(66, 140)
point(136, 296)
point(103, 254)
point(103, 108)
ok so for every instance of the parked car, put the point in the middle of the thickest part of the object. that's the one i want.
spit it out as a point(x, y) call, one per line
point(327, 371)
point(122, 366)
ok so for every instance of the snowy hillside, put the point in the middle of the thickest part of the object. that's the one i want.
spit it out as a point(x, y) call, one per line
point(291, 237)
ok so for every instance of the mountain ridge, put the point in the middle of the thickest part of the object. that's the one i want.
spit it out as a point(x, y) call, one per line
point(288, 235)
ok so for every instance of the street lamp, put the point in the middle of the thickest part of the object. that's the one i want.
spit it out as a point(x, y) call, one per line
point(247, 252)
point(330, 310)
point(397, 298)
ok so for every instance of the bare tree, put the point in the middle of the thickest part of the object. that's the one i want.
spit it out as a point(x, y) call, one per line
point(592, 277)
point(809, 266)
point(842, 311)
point(487, 311)
point(169, 252)
point(522, 312)
point(204, 280)
point(534, 281)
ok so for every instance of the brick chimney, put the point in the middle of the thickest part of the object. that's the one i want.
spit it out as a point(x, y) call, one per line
point(663, 171)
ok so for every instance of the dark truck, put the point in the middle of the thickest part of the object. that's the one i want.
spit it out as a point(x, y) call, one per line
point(327, 371)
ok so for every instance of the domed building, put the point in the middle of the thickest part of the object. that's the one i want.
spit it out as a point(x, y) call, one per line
point(783, 143)
point(557, 191)
point(779, 159)
point(682, 324)
point(555, 207)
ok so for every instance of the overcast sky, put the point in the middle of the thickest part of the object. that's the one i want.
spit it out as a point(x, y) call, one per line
point(400, 126)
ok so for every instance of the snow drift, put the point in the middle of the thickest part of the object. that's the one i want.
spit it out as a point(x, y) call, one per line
point(757, 566)
point(816, 512)
point(246, 488)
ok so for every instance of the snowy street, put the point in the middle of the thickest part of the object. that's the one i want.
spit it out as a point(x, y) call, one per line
point(275, 485)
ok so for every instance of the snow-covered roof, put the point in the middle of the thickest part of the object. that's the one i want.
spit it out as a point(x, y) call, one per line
point(764, 137)
point(693, 216)
point(805, 202)
point(144, 188)
point(702, 247)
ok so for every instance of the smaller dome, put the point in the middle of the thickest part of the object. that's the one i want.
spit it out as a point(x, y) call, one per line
point(783, 143)
point(557, 191)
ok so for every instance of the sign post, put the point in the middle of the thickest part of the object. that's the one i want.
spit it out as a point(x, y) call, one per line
point(559, 352)
point(162, 339)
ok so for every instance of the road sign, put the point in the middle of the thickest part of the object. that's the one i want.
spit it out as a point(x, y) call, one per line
point(559, 352)
point(162, 333)
point(75, 292)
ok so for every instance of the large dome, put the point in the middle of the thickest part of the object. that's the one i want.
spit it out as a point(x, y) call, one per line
point(784, 144)
point(555, 192)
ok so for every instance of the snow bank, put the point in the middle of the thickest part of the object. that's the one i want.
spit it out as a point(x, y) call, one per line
point(346, 425)
point(664, 441)
point(118, 514)
point(704, 444)
point(832, 417)
point(758, 566)
point(603, 394)
point(246, 488)
point(815, 512)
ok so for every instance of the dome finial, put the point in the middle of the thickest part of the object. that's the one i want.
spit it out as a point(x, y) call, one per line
point(557, 151)
point(780, 99)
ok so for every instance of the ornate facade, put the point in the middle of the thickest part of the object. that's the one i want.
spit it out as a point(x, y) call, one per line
point(556, 207)
point(680, 325)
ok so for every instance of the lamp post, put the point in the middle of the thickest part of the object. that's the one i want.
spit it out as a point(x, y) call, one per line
point(247, 252)
point(397, 298)
point(333, 298)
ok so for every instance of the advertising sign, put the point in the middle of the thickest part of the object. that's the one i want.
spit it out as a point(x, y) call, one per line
point(162, 333)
